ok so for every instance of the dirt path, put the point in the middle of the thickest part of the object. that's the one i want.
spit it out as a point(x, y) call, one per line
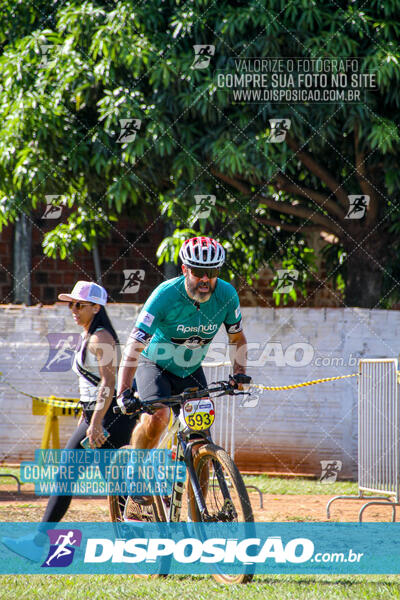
point(28, 507)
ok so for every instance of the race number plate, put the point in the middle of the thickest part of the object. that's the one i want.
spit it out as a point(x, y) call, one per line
point(199, 414)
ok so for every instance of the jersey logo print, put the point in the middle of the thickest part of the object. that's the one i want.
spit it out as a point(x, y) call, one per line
point(235, 328)
point(146, 318)
point(194, 341)
point(139, 335)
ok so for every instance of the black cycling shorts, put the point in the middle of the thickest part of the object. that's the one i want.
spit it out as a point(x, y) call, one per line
point(155, 382)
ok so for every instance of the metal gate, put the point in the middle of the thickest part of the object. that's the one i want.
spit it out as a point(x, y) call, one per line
point(378, 427)
point(378, 434)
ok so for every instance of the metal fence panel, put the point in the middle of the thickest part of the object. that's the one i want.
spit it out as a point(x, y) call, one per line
point(378, 426)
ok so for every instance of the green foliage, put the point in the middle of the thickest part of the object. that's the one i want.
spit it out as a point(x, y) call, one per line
point(84, 227)
point(300, 259)
point(61, 113)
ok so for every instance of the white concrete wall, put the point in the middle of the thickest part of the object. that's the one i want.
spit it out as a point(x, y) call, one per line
point(288, 431)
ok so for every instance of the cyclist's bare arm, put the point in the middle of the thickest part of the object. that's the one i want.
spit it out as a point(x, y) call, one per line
point(128, 366)
point(148, 431)
point(238, 351)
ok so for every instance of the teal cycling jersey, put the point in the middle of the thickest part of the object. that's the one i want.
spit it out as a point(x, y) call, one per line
point(181, 329)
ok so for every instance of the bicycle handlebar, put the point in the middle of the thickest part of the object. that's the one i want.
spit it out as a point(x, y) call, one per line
point(226, 387)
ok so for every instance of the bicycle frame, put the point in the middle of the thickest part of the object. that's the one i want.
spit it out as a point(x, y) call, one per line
point(184, 448)
point(207, 465)
point(183, 454)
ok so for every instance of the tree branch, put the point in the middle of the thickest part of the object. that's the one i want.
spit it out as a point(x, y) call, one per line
point(284, 207)
point(322, 173)
point(243, 189)
point(288, 226)
point(292, 187)
point(302, 212)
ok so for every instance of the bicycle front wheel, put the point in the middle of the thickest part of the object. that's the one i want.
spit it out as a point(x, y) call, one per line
point(225, 495)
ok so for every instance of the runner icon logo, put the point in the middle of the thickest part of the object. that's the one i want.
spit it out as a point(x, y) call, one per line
point(133, 279)
point(286, 279)
point(330, 470)
point(62, 547)
point(203, 54)
point(204, 203)
point(54, 206)
point(47, 53)
point(279, 129)
point(61, 352)
point(358, 205)
point(129, 129)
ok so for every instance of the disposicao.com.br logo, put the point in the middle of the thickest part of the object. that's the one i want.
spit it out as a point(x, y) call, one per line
point(222, 551)
point(191, 550)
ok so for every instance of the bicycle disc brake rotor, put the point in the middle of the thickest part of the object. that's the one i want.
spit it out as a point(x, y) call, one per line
point(226, 513)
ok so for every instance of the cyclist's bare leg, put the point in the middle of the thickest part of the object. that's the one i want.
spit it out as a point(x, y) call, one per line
point(149, 430)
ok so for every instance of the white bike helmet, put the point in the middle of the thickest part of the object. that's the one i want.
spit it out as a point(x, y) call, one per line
point(202, 252)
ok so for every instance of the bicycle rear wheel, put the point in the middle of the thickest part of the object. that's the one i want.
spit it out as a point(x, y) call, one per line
point(225, 495)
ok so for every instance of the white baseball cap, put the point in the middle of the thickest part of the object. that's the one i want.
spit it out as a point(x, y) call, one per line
point(87, 291)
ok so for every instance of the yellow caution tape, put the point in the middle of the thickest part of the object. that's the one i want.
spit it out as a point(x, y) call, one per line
point(66, 402)
point(299, 385)
point(54, 401)
point(50, 400)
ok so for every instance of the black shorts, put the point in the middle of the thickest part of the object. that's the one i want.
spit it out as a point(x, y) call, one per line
point(155, 382)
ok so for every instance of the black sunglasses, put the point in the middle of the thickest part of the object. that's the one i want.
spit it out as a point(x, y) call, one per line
point(201, 271)
point(78, 305)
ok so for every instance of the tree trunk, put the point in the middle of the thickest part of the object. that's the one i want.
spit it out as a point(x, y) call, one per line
point(22, 259)
point(365, 268)
point(170, 269)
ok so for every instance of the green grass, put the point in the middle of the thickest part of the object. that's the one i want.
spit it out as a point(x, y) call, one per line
point(299, 486)
point(9, 470)
point(124, 587)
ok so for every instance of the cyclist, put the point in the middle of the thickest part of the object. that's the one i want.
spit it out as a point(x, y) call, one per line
point(173, 332)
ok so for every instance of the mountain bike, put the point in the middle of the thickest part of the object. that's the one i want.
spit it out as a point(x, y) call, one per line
point(215, 491)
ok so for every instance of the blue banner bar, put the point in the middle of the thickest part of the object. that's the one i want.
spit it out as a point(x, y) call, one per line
point(194, 548)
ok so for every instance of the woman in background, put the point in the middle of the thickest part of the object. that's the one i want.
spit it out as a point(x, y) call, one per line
point(95, 363)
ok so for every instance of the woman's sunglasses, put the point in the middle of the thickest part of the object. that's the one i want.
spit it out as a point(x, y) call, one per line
point(201, 271)
point(77, 305)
